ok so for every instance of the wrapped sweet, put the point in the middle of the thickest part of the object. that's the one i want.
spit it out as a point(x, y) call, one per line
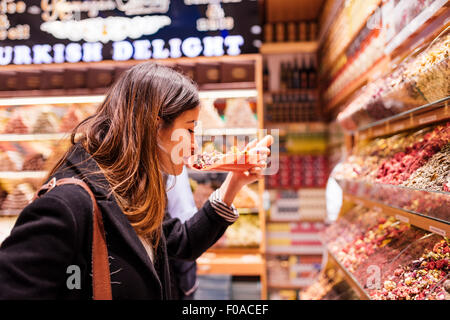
point(34, 162)
point(18, 199)
point(209, 118)
point(16, 125)
point(70, 120)
point(47, 122)
point(239, 114)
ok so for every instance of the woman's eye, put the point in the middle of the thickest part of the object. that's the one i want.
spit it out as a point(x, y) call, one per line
point(191, 131)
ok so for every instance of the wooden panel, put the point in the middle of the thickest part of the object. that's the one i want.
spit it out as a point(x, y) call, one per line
point(293, 10)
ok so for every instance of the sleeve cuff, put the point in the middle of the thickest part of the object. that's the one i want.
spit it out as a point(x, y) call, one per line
point(229, 213)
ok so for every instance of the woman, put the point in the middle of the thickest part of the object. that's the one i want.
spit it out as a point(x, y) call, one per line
point(122, 152)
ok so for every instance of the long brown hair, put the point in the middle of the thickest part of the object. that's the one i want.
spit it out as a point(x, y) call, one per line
point(122, 138)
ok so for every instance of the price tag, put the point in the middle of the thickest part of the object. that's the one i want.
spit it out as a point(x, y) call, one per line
point(402, 218)
point(438, 231)
point(427, 119)
point(398, 126)
point(377, 209)
point(378, 132)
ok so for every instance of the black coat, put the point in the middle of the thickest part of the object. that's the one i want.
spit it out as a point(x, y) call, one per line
point(55, 232)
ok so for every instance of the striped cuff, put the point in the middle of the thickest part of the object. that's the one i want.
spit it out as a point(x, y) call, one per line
point(229, 213)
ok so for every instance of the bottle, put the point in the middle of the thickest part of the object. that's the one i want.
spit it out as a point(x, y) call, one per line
point(265, 77)
point(302, 31)
point(268, 33)
point(303, 75)
point(280, 33)
point(312, 31)
point(289, 75)
point(283, 77)
point(292, 37)
point(312, 73)
point(296, 76)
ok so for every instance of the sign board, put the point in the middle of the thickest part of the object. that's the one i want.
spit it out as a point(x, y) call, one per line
point(70, 31)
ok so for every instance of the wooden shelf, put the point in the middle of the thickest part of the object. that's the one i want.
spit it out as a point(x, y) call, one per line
point(424, 115)
point(354, 284)
point(20, 175)
point(236, 250)
point(419, 221)
point(291, 286)
point(234, 264)
point(289, 47)
point(228, 132)
point(34, 137)
point(36, 97)
point(357, 83)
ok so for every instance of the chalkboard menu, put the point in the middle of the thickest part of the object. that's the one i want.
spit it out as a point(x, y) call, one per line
point(65, 31)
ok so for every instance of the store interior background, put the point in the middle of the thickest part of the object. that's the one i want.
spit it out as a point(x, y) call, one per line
point(350, 88)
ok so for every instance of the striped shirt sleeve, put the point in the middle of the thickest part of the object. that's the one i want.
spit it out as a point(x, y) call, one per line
point(229, 213)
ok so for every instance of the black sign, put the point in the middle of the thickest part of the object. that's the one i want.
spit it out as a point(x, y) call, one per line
point(57, 31)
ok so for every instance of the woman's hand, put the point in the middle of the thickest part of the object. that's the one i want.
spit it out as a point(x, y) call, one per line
point(236, 180)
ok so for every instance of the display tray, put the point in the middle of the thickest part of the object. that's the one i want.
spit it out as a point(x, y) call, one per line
point(428, 204)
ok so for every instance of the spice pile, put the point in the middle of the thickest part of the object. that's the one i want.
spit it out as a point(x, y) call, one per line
point(420, 279)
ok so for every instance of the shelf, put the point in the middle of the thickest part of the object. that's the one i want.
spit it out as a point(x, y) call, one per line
point(424, 115)
point(357, 83)
point(297, 127)
point(233, 264)
point(289, 47)
point(348, 40)
point(20, 175)
point(236, 250)
point(290, 250)
point(23, 98)
point(228, 132)
point(415, 26)
point(354, 284)
point(290, 286)
point(34, 137)
point(421, 221)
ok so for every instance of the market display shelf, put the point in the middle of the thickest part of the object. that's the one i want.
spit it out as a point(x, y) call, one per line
point(34, 137)
point(349, 38)
point(297, 127)
point(20, 175)
point(420, 116)
point(354, 284)
point(420, 221)
point(234, 250)
point(302, 251)
point(228, 132)
point(344, 94)
point(288, 285)
point(416, 26)
point(39, 97)
point(227, 263)
point(289, 47)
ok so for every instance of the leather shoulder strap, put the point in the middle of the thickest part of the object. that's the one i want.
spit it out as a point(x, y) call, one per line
point(101, 280)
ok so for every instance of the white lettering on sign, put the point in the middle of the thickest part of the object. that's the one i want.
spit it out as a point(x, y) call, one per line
point(92, 52)
point(213, 46)
point(122, 50)
point(175, 48)
point(159, 52)
point(41, 54)
point(142, 50)
point(192, 47)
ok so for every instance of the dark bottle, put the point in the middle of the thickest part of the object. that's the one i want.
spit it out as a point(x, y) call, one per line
point(282, 76)
point(265, 77)
point(303, 75)
point(312, 74)
point(296, 76)
point(289, 75)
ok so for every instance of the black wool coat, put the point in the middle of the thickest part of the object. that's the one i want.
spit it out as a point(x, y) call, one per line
point(54, 233)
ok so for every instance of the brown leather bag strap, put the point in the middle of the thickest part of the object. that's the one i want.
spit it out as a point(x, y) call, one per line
point(101, 280)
